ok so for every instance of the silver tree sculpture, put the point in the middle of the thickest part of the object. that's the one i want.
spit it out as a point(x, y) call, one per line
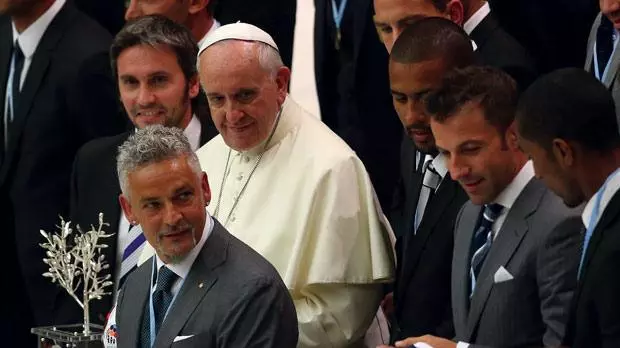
point(76, 263)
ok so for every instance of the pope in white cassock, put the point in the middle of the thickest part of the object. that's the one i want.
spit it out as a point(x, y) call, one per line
point(284, 184)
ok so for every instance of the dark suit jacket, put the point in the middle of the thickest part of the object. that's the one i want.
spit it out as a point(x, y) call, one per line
point(594, 318)
point(95, 188)
point(422, 289)
point(67, 98)
point(232, 297)
point(276, 17)
point(538, 244)
point(356, 103)
point(498, 49)
point(109, 14)
point(553, 31)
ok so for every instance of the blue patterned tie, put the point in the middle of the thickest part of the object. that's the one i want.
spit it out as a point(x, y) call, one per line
point(162, 296)
point(604, 44)
point(483, 240)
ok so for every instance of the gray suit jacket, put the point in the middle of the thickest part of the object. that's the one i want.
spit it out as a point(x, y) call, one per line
point(232, 297)
point(612, 76)
point(539, 245)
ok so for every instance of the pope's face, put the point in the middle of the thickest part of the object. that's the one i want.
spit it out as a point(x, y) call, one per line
point(243, 97)
point(168, 200)
point(176, 10)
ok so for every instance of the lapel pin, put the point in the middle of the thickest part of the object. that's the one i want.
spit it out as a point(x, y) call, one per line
point(201, 285)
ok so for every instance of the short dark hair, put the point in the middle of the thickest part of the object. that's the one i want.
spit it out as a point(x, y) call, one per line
point(432, 38)
point(572, 105)
point(155, 30)
point(492, 89)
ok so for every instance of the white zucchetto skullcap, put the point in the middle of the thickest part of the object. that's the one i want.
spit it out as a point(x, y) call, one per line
point(237, 31)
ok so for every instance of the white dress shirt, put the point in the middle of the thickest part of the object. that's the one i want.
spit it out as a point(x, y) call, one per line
point(476, 18)
point(28, 40)
point(507, 198)
point(613, 185)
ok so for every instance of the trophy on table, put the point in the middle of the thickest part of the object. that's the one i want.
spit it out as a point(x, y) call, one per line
point(76, 263)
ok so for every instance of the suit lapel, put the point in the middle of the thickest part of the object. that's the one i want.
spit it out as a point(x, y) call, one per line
point(134, 301)
point(505, 245)
point(200, 280)
point(591, 41)
point(613, 68)
point(438, 204)
point(460, 266)
point(5, 60)
point(36, 75)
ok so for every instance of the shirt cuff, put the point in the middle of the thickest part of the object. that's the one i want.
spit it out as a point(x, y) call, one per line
point(462, 345)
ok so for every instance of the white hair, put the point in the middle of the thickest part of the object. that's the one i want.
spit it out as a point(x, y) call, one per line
point(153, 144)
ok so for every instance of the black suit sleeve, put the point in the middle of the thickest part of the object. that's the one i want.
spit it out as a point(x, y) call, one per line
point(264, 318)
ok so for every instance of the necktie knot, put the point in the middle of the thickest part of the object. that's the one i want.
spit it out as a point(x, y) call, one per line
point(431, 177)
point(490, 214)
point(165, 279)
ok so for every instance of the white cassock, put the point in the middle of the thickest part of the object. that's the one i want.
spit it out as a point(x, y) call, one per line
point(310, 209)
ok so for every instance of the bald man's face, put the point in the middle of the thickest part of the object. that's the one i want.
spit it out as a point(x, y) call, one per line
point(393, 16)
point(244, 98)
point(410, 83)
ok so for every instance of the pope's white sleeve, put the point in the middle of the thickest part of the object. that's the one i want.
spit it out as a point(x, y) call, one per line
point(335, 315)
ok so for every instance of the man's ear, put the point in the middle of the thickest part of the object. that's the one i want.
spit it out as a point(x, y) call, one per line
point(206, 190)
point(511, 137)
point(126, 206)
point(193, 86)
point(196, 6)
point(456, 11)
point(283, 77)
point(563, 153)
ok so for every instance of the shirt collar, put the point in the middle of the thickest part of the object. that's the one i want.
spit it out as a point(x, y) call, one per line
point(510, 194)
point(192, 132)
point(476, 18)
point(613, 185)
point(29, 39)
point(214, 26)
point(182, 268)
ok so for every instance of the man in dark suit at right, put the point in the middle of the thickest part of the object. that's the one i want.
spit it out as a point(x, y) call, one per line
point(567, 125)
point(353, 89)
point(55, 95)
point(154, 61)
point(428, 199)
point(203, 288)
point(494, 46)
point(514, 265)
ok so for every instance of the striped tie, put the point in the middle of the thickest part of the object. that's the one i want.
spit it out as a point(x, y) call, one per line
point(132, 252)
point(483, 240)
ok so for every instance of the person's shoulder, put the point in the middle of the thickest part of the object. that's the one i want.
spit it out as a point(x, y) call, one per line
point(82, 37)
point(95, 148)
point(244, 264)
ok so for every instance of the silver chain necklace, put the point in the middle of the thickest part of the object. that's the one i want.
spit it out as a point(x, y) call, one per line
point(227, 170)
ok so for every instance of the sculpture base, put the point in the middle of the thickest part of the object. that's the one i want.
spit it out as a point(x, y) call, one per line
point(69, 336)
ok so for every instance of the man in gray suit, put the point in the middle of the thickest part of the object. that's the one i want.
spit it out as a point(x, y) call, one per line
point(603, 59)
point(516, 250)
point(203, 288)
